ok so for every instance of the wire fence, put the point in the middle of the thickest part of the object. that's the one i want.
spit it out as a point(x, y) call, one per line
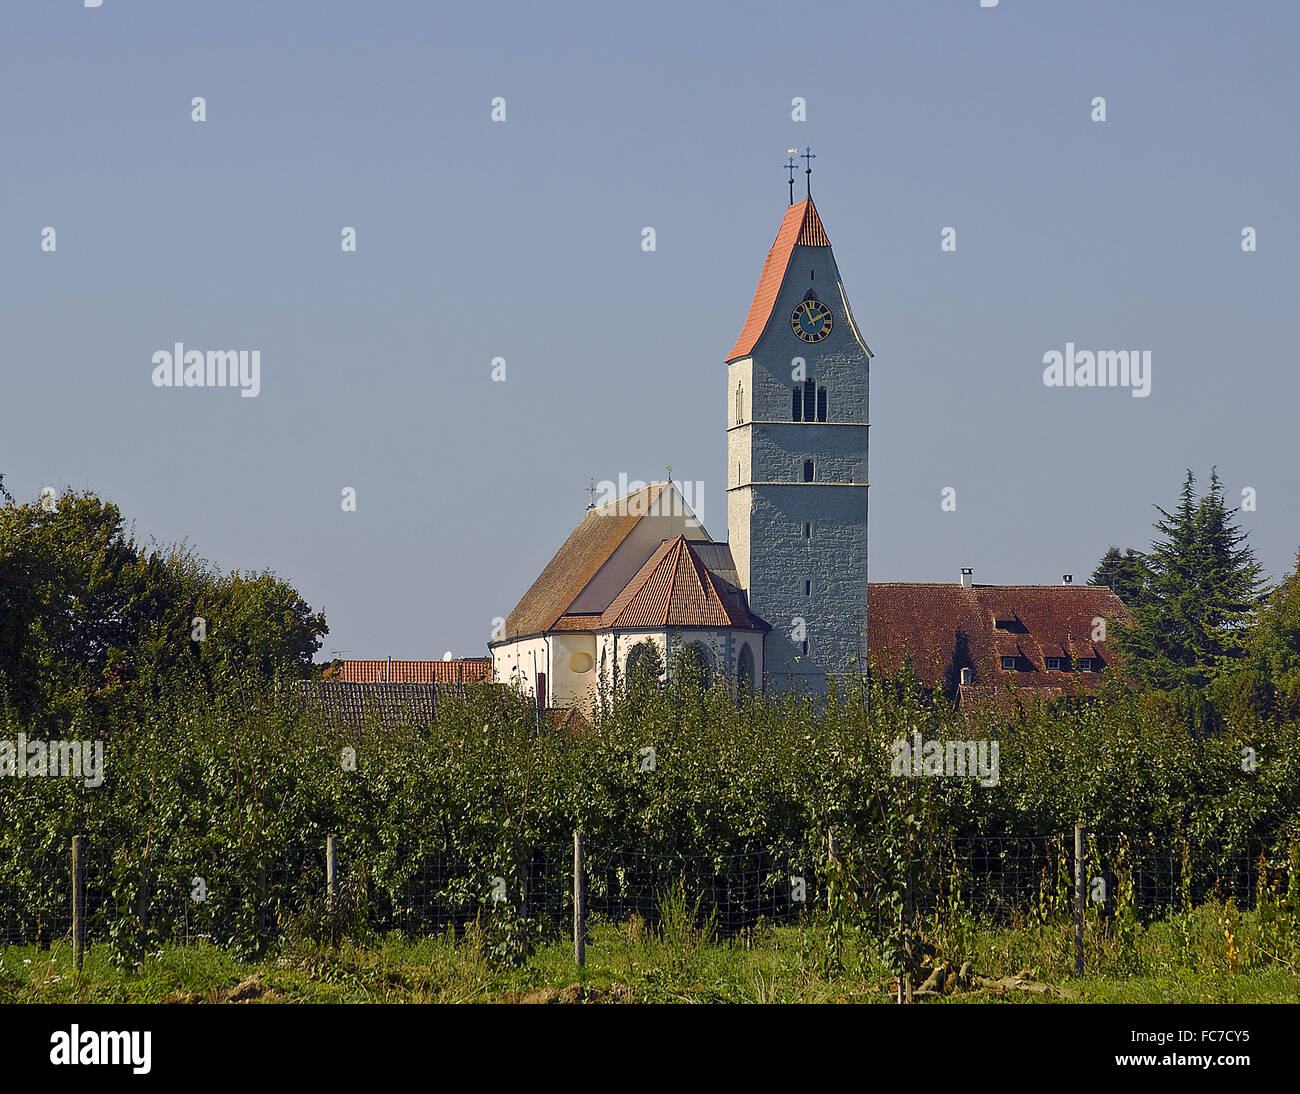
point(999, 879)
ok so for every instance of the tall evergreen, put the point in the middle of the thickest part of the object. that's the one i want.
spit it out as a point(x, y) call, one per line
point(1204, 590)
point(1127, 574)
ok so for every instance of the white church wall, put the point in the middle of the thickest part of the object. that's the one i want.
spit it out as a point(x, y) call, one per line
point(573, 669)
point(519, 663)
point(628, 639)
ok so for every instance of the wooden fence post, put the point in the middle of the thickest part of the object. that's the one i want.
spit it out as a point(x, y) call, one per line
point(1078, 900)
point(579, 901)
point(331, 877)
point(78, 900)
point(905, 983)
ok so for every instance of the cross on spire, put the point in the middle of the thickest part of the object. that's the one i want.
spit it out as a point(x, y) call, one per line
point(791, 168)
point(591, 494)
point(808, 155)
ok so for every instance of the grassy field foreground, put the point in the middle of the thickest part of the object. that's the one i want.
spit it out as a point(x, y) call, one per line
point(1188, 959)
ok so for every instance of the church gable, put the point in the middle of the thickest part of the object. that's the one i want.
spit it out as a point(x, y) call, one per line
point(595, 563)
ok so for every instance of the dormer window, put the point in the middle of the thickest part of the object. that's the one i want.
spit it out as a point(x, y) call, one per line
point(1085, 664)
point(1055, 664)
point(1009, 664)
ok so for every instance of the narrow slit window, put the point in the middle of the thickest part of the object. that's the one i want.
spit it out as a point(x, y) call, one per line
point(821, 404)
point(807, 471)
point(796, 408)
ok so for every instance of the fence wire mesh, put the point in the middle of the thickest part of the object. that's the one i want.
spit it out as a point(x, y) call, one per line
point(256, 894)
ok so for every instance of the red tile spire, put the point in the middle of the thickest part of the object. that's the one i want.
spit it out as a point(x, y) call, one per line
point(801, 227)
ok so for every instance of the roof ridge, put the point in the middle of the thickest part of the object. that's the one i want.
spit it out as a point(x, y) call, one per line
point(678, 543)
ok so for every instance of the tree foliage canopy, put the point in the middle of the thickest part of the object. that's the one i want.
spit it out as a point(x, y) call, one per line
point(91, 619)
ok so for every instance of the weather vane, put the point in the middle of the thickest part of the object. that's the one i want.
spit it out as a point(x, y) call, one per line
point(791, 168)
point(670, 472)
point(807, 155)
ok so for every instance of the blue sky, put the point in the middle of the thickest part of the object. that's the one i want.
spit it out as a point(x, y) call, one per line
point(522, 240)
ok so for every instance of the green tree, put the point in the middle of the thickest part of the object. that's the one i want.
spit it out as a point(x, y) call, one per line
point(1267, 680)
point(1127, 574)
point(1202, 596)
point(90, 620)
point(644, 668)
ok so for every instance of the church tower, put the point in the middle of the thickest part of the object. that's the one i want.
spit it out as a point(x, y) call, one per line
point(797, 427)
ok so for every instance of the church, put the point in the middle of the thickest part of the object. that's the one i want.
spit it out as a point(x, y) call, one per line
point(782, 603)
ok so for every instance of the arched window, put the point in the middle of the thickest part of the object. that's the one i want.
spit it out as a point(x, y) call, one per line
point(745, 670)
point(644, 666)
point(740, 404)
point(693, 664)
point(821, 404)
point(796, 408)
point(809, 400)
point(807, 471)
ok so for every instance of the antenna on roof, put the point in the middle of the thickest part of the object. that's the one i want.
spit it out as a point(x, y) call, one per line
point(808, 155)
point(791, 168)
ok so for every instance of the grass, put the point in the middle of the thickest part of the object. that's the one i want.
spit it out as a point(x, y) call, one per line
point(1183, 960)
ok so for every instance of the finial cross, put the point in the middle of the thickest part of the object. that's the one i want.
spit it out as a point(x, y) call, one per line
point(808, 155)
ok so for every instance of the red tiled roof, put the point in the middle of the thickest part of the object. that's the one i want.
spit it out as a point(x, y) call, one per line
point(801, 227)
point(1003, 702)
point(931, 621)
point(462, 670)
point(675, 589)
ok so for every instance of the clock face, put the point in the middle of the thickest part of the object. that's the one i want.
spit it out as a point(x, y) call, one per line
point(811, 320)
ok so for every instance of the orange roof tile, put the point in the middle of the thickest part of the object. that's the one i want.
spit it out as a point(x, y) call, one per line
point(461, 670)
point(801, 227)
point(675, 589)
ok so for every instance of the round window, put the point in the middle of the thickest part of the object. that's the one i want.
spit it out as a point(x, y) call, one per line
point(581, 662)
